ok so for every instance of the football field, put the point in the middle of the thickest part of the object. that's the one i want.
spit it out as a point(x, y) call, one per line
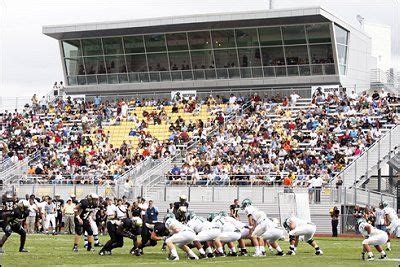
point(57, 250)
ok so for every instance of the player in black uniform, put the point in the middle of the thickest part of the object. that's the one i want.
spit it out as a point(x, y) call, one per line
point(118, 229)
point(150, 237)
point(8, 201)
point(82, 224)
point(180, 209)
point(10, 221)
point(59, 203)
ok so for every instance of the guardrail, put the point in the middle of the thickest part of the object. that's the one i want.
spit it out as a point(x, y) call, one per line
point(363, 165)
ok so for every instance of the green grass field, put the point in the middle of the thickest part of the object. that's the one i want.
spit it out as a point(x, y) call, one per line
point(57, 250)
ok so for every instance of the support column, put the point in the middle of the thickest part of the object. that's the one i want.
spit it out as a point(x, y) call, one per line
point(379, 179)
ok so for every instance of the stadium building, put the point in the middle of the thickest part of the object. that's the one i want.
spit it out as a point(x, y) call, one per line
point(282, 48)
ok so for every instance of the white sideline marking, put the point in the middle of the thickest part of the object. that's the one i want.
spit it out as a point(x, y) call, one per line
point(391, 259)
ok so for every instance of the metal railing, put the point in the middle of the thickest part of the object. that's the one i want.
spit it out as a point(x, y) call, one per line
point(204, 74)
point(363, 166)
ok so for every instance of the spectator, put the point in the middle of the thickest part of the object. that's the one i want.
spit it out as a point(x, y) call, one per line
point(69, 215)
point(334, 213)
point(151, 213)
point(234, 209)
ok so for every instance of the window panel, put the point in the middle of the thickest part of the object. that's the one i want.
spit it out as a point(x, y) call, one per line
point(158, 62)
point(246, 37)
point(270, 36)
point(321, 54)
point(155, 43)
point(177, 41)
point(179, 61)
point(133, 44)
point(72, 48)
point(293, 35)
point(250, 57)
point(95, 65)
point(296, 55)
point(202, 59)
point(341, 35)
point(74, 66)
point(199, 40)
point(223, 39)
point(115, 64)
point(113, 46)
point(136, 63)
point(318, 33)
point(342, 54)
point(92, 47)
point(226, 58)
point(272, 56)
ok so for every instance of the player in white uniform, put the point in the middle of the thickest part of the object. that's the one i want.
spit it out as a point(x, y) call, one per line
point(206, 231)
point(256, 218)
point(298, 227)
point(374, 237)
point(271, 234)
point(180, 235)
point(231, 232)
point(392, 222)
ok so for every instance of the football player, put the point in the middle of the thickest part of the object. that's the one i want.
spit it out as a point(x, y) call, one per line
point(180, 208)
point(8, 201)
point(230, 232)
point(297, 227)
point(180, 235)
point(11, 221)
point(117, 230)
point(373, 237)
point(392, 222)
point(206, 231)
point(83, 212)
point(256, 218)
point(59, 206)
point(93, 221)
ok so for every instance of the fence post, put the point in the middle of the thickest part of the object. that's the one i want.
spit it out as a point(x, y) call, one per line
point(165, 193)
point(355, 195)
point(237, 192)
point(54, 190)
point(212, 196)
point(263, 194)
point(75, 189)
point(189, 187)
point(97, 189)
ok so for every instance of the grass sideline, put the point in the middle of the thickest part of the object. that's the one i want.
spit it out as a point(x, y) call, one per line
point(57, 250)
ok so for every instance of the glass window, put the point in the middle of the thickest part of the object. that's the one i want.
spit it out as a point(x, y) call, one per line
point(74, 66)
point(92, 47)
point(226, 58)
point(158, 62)
point(246, 37)
point(318, 33)
point(250, 57)
point(113, 46)
point(321, 54)
point(202, 59)
point(177, 41)
point(94, 65)
point(296, 55)
point(342, 54)
point(155, 42)
point(223, 38)
point(72, 48)
point(179, 61)
point(272, 56)
point(270, 36)
point(199, 40)
point(115, 64)
point(133, 44)
point(341, 35)
point(293, 35)
point(136, 63)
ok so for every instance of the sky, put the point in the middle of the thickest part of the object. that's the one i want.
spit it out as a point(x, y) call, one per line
point(30, 61)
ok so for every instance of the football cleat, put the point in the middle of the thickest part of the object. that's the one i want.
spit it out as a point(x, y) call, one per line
point(219, 254)
point(102, 253)
point(280, 254)
point(363, 256)
point(75, 249)
point(232, 254)
point(388, 249)
point(382, 257)
point(319, 252)
point(210, 255)
point(291, 252)
point(98, 245)
point(23, 250)
point(173, 258)
point(1, 250)
point(257, 255)
point(243, 252)
point(203, 256)
point(370, 258)
point(193, 258)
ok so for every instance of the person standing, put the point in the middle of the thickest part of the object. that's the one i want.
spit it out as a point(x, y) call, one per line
point(151, 213)
point(334, 220)
point(50, 211)
point(68, 214)
point(59, 203)
point(234, 209)
point(33, 212)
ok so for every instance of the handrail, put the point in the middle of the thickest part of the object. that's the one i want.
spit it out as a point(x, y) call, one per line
point(365, 152)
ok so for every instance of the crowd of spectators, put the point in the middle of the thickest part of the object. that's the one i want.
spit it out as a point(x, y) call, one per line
point(274, 143)
point(70, 145)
